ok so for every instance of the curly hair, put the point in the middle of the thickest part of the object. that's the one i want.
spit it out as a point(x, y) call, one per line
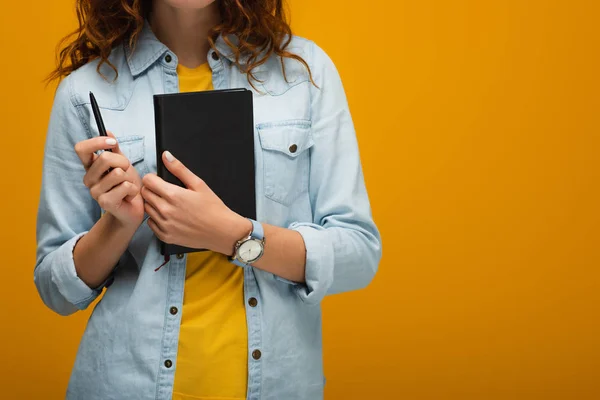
point(260, 26)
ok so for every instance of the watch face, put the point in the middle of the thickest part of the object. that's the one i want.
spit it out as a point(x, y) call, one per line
point(250, 250)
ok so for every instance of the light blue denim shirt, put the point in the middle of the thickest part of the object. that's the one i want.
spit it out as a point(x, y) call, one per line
point(317, 190)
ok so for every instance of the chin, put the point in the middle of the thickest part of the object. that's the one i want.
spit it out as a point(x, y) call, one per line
point(189, 4)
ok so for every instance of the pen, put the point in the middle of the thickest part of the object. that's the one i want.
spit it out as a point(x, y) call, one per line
point(98, 117)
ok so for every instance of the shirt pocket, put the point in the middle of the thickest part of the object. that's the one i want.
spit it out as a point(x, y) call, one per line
point(286, 159)
point(134, 148)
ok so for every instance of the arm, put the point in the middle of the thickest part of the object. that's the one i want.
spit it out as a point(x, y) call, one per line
point(99, 250)
point(66, 214)
point(340, 249)
point(284, 253)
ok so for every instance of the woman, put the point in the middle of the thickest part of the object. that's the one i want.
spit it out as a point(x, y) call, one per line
point(207, 325)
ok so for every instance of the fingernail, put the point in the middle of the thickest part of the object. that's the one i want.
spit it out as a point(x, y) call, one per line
point(169, 156)
point(111, 141)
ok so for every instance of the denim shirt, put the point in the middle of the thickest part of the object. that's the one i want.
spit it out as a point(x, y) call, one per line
point(317, 190)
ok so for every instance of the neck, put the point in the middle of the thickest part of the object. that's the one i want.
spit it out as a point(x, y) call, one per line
point(184, 31)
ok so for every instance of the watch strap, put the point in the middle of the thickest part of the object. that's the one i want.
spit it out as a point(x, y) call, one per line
point(257, 230)
point(238, 262)
point(257, 233)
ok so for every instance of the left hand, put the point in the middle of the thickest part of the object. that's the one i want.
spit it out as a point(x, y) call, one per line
point(193, 216)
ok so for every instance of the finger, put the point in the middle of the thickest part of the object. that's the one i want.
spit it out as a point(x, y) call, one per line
point(113, 199)
point(107, 182)
point(159, 186)
point(158, 231)
point(104, 162)
point(132, 191)
point(116, 148)
point(86, 149)
point(154, 200)
point(176, 167)
point(153, 213)
point(129, 197)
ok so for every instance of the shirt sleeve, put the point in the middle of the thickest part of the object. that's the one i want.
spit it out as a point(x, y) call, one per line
point(66, 210)
point(343, 244)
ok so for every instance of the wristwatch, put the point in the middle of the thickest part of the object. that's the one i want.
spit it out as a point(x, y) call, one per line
point(251, 248)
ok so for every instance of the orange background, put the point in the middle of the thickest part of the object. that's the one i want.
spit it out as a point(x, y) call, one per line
point(478, 126)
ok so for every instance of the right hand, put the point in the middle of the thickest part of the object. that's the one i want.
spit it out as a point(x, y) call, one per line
point(117, 192)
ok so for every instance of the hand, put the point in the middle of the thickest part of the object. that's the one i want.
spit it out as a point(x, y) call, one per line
point(118, 191)
point(193, 216)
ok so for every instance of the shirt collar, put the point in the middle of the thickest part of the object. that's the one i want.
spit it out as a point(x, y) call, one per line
point(148, 49)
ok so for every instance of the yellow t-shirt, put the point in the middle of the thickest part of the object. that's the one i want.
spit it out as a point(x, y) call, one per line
point(212, 356)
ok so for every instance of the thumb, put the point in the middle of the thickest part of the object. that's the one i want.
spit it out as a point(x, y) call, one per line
point(176, 167)
point(115, 149)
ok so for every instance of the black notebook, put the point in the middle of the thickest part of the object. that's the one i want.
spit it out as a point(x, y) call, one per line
point(212, 133)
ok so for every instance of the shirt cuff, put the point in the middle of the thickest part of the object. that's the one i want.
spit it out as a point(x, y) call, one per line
point(64, 276)
point(319, 262)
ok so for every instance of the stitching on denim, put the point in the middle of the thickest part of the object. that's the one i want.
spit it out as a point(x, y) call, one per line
point(137, 145)
point(289, 87)
point(150, 61)
point(304, 142)
point(73, 99)
point(160, 353)
point(117, 107)
point(300, 123)
point(130, 138)
point(310, 90)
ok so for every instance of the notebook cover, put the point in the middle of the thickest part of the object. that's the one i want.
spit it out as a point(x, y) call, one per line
point(212, 133)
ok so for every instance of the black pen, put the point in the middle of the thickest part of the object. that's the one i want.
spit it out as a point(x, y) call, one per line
point(99, 121)
point(98, 117)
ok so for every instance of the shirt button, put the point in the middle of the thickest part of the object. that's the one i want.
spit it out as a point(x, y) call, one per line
point(173, 310)
point(293, 148)
point(252, 301)
point(215, 56)
point(256, 354)
point(168, 58)
point(179, 255)
point(168, 363)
